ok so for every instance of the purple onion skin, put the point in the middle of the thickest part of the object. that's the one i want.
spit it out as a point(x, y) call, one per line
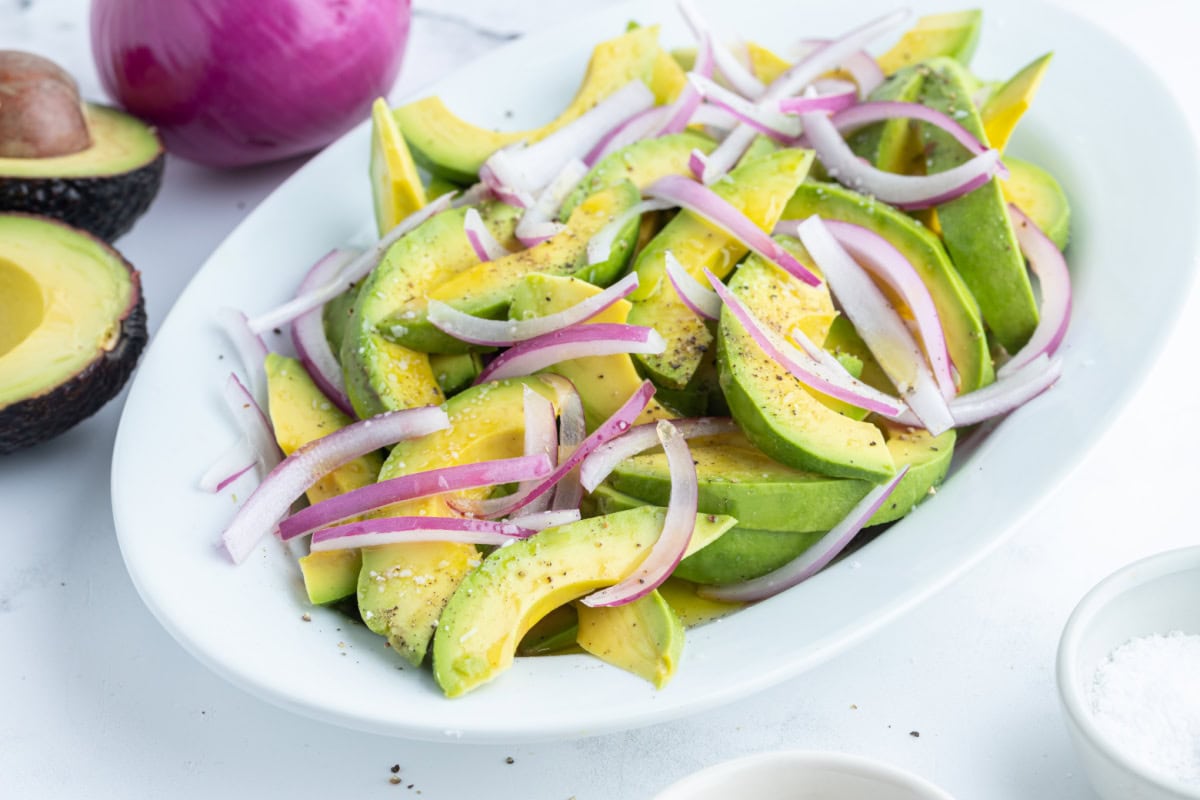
point(231, 83)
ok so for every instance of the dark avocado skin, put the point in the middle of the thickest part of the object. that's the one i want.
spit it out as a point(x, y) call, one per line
point(36, 419)
point(103, 205)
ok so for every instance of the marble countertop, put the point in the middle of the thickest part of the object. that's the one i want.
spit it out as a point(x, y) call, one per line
point(97, 700)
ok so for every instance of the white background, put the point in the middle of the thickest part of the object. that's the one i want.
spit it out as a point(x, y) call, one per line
point(96, 700)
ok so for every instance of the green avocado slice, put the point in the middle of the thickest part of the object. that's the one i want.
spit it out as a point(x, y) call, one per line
point(72, 326)
point(519, 584)
point(894, 145)
point(956, 306)
point(1036, 192)
point(954, 35)
point(759, 188)
point(644, 637)
point(486, 289)
point(975, 226)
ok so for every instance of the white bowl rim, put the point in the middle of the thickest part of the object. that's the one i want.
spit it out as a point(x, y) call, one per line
point(1070, 692)
point(862, 765)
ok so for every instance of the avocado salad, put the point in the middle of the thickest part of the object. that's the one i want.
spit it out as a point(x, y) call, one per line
point(668, 354)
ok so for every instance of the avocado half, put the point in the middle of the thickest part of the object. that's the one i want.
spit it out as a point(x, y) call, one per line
point(102, 189)
point(72, 325)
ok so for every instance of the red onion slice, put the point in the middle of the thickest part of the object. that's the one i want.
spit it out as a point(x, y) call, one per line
point(253, 422)
point(731, 68)
point(1011, 390)
point(614, 426)
point(701, 301)
point(505, 333)
point(1054, 283)
point(879, 325)
point(481, 239)
point(676, 534)
point(355, 271)
point(812, 560)
point(599, 247)
point(497, 187)
point(643, 124)
point(863, 114)
point(296, 473)
point(829, 103)
point(578, 341)
point(236, 461)
point(529, 168)
point(308, 335)
point(542, 520)
point(572, 430)
point(863, 69)
point(541, 439)
point(813, 373)
point(399, 530)
point(704, 202)
point(473, 195)
point(761, 117)
point(250, 348)
point(413, 487)
point(905, 191)
point(604, 459)
point(881, 258)
point(679, 114)
point(537, 223)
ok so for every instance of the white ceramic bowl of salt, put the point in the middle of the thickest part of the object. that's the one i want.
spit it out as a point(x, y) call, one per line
point(1129, 679)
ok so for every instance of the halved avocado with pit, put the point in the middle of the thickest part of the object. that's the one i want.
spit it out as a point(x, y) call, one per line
point(72, 325)
point(103, 188)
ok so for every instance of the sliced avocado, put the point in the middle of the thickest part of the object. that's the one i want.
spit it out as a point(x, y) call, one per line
point(1036, 192)
point(438, 186)
point(448, 145)
point(335, 317)
point(403, 587)
point(103, 188)
point(642, 162)
point(759, 189)
point(953, 35)
point(553, 634)
point(644, 637)
point(975, 227)
point(300, 413)
point(455, 371)
point(72, 325)
point(691, 608)
point(486, 289)
point(605, 383)
point(667, 79)
point(777, 413)
point(395, 185)
point(766, 64)
point(519, 584)
point(383, 376)
point(1005, 106)
point(894, 145)
point(956, 306)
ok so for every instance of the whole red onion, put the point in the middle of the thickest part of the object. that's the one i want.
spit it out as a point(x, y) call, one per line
point(236, 82)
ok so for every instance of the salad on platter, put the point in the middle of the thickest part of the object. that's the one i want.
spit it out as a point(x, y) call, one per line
point(668, 354)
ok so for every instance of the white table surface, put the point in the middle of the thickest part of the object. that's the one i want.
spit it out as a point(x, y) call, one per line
point(96, 700)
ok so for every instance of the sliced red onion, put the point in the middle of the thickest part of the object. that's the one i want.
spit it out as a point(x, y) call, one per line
point(614, 426)
point(604, 459)
point(599, 247)
point(698, 163)
point(828, 103)
point(813, 373)
point(713, 118)
point(676, 534)
point(547, 519)
point(704, 202)
point(814, 352)
point(236, 461)
point(904, 191)
point(641, 125)
point(529, 168)
point(1013, 389)
point(308, 334)
point(473, 195)
point(412, 487)
point(679, 114)
point(253, 422)
point(353, 272)
point(864, 69)
point(701, 301)
point(481, 239)
point(578, 341)
point(716, 165)
point(505, 333)
point(763, 118)
point(572, 430)
point(881, 258)
point(250, 348)
point(812, 560)
point(296, 473)
point(537, 223)
point(731, 68)
point(541, 439)
point(497, 187)
point(793, 81)
point(400, 530)
point(1054, 282)
point(879, 325)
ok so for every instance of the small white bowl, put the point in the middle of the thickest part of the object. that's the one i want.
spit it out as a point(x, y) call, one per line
point(1156, 595)
point(801, 775)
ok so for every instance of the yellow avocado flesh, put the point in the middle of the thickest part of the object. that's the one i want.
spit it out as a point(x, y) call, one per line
point(1004, 109)
point(954, 34)
point(450, 146)
point(62, 297)
point(403, 587)
point(1036, 192)
point(119, 144)
point(520, 583)
point(644, 637)
point(395, 185)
